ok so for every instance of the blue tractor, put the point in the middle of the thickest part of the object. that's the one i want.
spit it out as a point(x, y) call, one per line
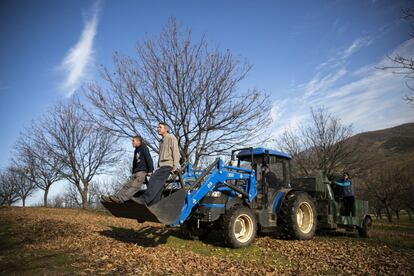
point(252, 194)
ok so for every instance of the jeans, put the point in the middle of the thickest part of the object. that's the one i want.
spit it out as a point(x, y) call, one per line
point(156, 185)
point(349, 204)
point(132, 186)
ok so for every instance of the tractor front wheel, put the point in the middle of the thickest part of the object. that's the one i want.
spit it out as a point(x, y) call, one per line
point(240, 227)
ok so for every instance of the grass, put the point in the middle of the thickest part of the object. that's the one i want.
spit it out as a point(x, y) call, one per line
point(211, 246)
point(251, 253)
point(16, 260)
point(398, 234)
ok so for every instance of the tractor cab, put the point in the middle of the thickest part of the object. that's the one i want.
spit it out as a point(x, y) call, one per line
point(272, 167)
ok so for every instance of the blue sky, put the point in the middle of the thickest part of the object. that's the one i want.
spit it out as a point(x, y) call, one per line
point(304, 53)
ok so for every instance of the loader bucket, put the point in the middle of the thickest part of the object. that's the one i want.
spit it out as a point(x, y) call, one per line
point(130, 209)
point(166, 211)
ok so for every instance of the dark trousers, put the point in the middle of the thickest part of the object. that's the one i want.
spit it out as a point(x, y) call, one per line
point(349, 205)
point(132, 186)
point(156, 185)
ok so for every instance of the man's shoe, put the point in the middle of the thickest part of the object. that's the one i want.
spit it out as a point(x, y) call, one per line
point(138, 200)
point(105, 198)
point(115, 199)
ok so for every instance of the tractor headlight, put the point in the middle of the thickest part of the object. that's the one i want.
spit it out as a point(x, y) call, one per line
point(214, 194)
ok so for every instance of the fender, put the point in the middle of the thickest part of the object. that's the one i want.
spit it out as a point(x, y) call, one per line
point(280, 198)
point(233, 201)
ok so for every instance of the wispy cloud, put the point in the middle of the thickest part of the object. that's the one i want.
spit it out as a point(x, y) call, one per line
point(320, 84)
point(340, 57)
point(356, 46)
point(77, 60)
point(367, 97)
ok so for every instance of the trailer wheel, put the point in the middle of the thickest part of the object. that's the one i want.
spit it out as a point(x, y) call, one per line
point(240, 227)
point(363, 231)
point(298, 216)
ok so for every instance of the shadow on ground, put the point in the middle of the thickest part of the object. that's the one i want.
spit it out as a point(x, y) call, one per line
point(146, 237)
point(154, 236)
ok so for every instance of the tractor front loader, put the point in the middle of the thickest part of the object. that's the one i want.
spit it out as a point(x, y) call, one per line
point(254, 195)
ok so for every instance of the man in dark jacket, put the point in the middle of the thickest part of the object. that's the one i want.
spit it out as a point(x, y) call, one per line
point(348, 194)
point(168, 162)
point(142, 166)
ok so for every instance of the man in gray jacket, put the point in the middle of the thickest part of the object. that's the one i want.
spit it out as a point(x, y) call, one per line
point(168, 161)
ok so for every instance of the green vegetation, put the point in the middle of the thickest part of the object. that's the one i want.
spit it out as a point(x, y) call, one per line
point(253, 253)
point(15, 259)
point(398, 235)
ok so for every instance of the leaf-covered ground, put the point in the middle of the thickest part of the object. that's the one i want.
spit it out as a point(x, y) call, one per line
point(63, 241)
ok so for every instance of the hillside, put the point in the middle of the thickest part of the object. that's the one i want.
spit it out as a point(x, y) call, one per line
point(391, 146)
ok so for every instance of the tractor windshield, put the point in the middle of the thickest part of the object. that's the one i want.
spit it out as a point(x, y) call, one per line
point(276, 172)
point(246, 163)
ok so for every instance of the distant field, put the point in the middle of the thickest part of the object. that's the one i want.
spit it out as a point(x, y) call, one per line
point(64, 241)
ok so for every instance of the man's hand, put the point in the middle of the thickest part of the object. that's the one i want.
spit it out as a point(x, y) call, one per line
point(174, 172)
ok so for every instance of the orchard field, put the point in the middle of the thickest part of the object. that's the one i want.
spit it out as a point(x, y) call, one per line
point(72, 241)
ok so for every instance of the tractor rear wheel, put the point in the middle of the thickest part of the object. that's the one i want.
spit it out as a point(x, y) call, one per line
point(298, 216)
point(240, 227)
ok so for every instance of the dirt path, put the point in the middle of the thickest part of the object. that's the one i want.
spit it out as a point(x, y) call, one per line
point(99, 243)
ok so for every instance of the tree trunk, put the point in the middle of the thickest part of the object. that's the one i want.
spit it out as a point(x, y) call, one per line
point(24, 201)
point(379, 213)
point(389, 215)
point(84, 195)
point(196, 160)
point(409, 215)
point(397, 214)
point(45, 197)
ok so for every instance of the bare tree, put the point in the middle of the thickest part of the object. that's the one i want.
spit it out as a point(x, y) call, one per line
point(42, 168)
point(405, 65)
point(71, 197)
point(58, 201)
point(319, 145)
point(8, 191)
point(19, 177)
point(79, 148)
point(386, 185)
point(187, 85)
point(103, 187)
point(407, 197)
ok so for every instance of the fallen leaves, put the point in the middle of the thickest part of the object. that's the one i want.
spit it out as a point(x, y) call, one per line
point(105, 244)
